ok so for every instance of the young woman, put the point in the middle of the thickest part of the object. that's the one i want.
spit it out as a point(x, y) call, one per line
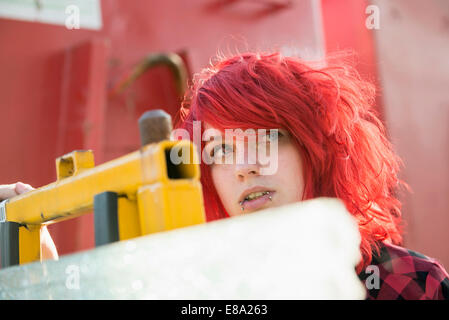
point(331, 143)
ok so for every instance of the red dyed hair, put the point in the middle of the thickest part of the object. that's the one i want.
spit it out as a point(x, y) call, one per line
point(329, 112)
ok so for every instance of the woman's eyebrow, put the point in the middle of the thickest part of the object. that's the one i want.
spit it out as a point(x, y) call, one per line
point(214, 138)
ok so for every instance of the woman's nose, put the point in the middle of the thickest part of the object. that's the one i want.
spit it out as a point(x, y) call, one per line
point(245, 171)
point(246, 164)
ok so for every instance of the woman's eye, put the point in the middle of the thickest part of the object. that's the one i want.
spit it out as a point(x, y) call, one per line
point(272, 136)
point(222, 150)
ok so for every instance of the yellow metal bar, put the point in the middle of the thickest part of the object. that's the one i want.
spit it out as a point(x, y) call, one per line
point(29, 244)
point(155, 193)
point(72, 196)
point(74, 163)
point(128, 219)
point(170, 205)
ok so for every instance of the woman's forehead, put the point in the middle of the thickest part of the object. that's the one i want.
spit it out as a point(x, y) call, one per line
point(208, 126)
point(211, 131)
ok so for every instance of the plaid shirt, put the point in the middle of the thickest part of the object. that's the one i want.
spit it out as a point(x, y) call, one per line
point(405, 275)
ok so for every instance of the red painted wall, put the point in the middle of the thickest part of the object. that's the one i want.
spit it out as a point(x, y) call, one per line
point(56, 84)
point(412, 100)
point(344, 30)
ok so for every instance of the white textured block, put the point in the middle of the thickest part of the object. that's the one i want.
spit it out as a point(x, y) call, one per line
point(306, 250)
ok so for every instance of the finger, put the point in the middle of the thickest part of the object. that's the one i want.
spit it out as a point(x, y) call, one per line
point(23, 187)
point(7, 191)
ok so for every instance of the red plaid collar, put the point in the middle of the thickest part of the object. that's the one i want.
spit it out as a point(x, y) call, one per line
point(401, 274)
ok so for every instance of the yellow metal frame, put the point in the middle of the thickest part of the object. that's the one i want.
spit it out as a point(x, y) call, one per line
point(149, 199)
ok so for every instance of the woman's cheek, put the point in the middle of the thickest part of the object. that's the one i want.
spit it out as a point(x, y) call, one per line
point(220, 178)
point(290, 173)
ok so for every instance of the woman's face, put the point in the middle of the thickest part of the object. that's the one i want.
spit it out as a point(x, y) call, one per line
point(244, 186)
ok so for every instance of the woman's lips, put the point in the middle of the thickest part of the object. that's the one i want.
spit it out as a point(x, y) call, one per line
point(251, 205)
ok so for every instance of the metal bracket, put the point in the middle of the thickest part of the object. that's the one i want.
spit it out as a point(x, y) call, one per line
point(3, 210)
point(106, 218)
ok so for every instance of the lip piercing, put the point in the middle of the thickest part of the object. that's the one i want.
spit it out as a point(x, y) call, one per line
point(241, 203)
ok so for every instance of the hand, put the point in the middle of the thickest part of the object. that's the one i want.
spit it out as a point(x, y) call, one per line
point(48, 247)
point(11, 190)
